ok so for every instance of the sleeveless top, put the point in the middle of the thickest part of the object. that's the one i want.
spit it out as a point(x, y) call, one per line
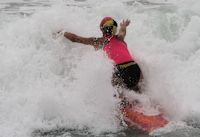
point(117, 51)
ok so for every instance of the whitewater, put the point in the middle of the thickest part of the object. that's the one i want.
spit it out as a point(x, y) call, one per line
point(50, 86)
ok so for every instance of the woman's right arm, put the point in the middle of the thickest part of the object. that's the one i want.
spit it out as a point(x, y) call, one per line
point(87, 41)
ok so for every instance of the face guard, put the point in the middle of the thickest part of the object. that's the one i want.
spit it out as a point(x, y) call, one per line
point(109, 28)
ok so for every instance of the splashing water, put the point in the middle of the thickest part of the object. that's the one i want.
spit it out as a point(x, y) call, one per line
point(47, 83)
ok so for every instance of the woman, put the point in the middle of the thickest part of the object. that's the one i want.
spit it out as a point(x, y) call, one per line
point(126, 71)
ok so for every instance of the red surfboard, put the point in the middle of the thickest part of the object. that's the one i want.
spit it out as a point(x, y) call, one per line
point(133, 117)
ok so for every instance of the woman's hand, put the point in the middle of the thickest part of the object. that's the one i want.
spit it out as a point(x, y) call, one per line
point(56, 35)
point(125, 23)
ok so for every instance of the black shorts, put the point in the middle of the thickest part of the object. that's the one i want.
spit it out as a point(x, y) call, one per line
point(127, 75)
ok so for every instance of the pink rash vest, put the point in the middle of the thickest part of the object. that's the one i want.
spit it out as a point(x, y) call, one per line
point(117, 51)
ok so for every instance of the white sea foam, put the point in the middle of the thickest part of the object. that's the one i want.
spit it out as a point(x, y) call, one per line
point(47, 82)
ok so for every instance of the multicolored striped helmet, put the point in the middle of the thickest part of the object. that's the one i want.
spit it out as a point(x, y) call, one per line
point(108, 26)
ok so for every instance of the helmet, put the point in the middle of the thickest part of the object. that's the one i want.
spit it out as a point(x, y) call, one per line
point(108, 26)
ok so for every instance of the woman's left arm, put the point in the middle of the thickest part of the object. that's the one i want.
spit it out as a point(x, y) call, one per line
point(122, 31)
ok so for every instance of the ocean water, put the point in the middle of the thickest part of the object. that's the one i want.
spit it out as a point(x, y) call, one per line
point(51, 87)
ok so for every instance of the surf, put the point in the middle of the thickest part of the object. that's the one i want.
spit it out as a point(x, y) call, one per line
point(47, 83)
